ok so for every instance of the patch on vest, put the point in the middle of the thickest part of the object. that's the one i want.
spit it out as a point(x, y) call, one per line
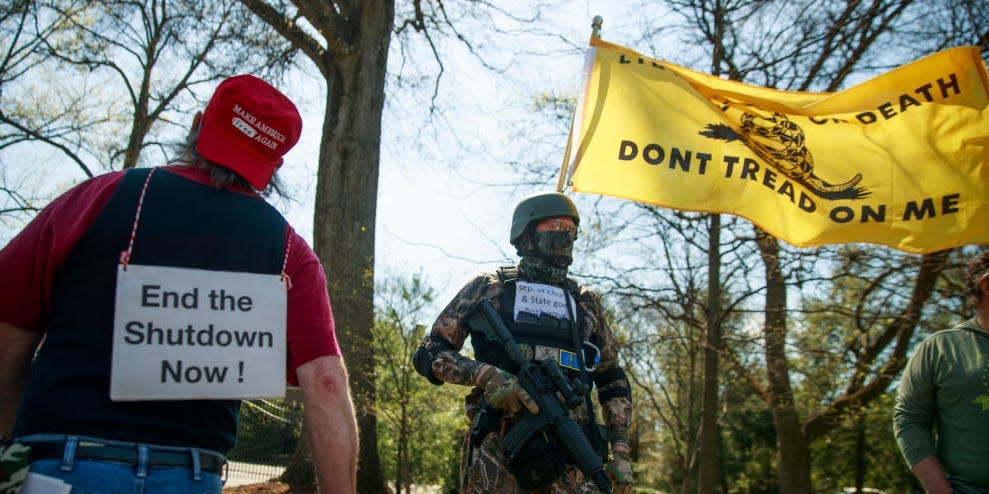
point(563, 357)
point(569, 360)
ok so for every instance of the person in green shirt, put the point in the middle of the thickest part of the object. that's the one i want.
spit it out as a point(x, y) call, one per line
point(941, 418)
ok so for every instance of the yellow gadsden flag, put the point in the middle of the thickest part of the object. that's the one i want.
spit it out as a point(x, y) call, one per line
point(900, 160)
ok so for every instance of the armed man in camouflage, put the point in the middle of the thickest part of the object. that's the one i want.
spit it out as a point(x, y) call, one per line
point(551, 317)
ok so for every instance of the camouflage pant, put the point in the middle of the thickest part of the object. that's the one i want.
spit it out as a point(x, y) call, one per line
point(483, 471)
point(13, 466)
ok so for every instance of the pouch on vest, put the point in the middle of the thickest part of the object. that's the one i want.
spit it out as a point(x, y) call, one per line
point(485, 422)
point(539, 463)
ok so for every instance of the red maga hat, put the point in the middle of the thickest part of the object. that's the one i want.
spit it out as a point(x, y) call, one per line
point(247, 127)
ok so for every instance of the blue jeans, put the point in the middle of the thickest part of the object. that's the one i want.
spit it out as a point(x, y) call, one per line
point(103, 477)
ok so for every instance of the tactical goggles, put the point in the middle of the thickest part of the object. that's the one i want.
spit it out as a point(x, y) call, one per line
point(559, 225)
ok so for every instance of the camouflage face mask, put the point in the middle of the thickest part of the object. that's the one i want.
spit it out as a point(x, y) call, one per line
point(541, 271)
point(546, 256)
point(556, 247)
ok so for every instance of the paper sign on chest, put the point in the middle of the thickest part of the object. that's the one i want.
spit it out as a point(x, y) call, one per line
point(536, 298)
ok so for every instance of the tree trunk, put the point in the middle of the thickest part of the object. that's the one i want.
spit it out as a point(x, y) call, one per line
point(403, 441)
point(792, 450)
point(135, 144)
point(299, 473)
point(345, 209)
point(142, 122)
point(398, 466)
point(860, 454)
point(707, 472)
point(352, 56)
point(692, 433)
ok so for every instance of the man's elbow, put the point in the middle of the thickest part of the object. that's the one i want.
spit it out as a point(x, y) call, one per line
point(324, 376)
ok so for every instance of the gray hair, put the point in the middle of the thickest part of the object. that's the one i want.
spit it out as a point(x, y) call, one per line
point(222, 177)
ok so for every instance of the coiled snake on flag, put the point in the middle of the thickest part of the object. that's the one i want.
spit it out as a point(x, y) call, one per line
point(781, 144)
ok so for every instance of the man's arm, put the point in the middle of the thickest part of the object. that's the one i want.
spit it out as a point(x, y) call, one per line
point(16, 350)
point(439, 357)
point(614, 390)
point(914, 415)
point(330, 423)
point(930, 473)
point(614, 394)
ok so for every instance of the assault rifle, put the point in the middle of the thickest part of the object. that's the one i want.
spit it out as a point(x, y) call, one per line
point(542, 382)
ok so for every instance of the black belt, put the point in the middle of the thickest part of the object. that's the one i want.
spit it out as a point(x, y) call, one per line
point(208, 462)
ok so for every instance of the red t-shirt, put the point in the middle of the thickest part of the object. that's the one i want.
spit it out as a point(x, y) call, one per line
point(29, 263)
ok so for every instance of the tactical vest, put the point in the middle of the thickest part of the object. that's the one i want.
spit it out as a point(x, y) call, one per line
point(182, 224)
point(539, 336)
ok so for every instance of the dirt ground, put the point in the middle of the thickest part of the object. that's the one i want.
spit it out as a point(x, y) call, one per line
point(262, 488)
point(280, 488)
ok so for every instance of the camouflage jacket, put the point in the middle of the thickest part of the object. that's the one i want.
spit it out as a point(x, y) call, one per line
point(451, 366)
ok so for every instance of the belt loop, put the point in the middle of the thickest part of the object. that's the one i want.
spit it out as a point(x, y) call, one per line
point(142, 461)
point(197, 471)
point(69, 453)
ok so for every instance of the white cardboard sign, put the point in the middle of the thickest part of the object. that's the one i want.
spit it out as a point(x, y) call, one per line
point(36, 483)
point(537, 298)
point(181, 334)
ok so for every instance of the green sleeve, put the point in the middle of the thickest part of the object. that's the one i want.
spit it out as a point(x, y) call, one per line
point(916, 405)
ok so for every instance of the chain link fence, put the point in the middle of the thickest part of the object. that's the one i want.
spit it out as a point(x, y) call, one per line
point(268, 434)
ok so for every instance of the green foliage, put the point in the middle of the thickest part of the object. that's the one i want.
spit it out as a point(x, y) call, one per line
point(747, 443)
point(865, 441)
point(661, 362)
point(420, 425)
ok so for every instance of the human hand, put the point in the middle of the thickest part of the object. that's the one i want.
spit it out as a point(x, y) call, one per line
point(503, 391)
point(619, 470)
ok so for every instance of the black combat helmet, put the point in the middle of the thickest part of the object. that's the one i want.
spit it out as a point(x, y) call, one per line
point(539, 206)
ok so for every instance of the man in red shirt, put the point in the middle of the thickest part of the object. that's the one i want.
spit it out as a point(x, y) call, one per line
point(112, 379)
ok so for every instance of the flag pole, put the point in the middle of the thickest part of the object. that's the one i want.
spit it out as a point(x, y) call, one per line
point(596, 26)
point(563, 182)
